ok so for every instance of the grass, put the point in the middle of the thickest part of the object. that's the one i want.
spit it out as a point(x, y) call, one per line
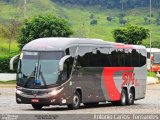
point(4, 47)
point(151, 74)
point(8, 82)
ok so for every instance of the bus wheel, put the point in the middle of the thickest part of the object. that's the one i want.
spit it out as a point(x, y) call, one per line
point(37, 106)
point(123, 100)
point(130, 97)
point(75, 101)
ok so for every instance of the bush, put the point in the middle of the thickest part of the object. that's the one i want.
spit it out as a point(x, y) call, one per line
point(131, 34)
point(4, 64)
point(109, 19)
point(93, 22)
point(122, 21)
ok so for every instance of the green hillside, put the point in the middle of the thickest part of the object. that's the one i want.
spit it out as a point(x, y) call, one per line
point(79, 17)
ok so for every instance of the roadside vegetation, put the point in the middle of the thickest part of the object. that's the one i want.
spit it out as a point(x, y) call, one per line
point(8, 82)
point(151, 74)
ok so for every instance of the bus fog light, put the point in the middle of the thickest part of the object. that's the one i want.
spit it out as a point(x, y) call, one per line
point(64, 101)
point(55, 92)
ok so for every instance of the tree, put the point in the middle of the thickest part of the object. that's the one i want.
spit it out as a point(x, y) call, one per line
point(43, 26)
point(145, 19)
point(131, 34)
point(10, 31)
point(92, 16)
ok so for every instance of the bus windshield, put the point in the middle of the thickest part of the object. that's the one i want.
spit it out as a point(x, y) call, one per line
point(157, 58)
point(37, 69)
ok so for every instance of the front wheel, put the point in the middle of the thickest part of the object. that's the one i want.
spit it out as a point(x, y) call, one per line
point(37, 106)
point(75, 101)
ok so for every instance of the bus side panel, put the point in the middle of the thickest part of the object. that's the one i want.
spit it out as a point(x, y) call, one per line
point(114, 79)
point(140, 87)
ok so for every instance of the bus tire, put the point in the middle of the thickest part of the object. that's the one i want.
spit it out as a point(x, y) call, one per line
point(75, 101)
point(37, 106)
point(130, 97)
point(123, 100)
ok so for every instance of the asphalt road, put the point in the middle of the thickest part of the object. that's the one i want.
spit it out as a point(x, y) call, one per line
point(149, 105)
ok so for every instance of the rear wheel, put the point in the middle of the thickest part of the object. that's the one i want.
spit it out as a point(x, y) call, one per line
point(130, 97)
point(123, 100)
point(37, 106)
point(75, 101)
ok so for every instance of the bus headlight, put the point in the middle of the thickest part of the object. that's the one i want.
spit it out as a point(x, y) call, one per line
point(19, 92)
point(55, 92)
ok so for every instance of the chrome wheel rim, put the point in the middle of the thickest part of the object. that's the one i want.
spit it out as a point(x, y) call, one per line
point(130, 97)
point(75, 100)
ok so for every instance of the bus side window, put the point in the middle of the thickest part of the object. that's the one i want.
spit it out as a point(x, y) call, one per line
point(105, 57)
point(135, 58)
point(128, 57)
point(67, 51)
point(83, 57)
point(114, 57)
point(143, 58)
point(120, 54)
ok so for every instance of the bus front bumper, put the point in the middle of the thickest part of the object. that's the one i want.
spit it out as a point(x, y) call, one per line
point(52, 100)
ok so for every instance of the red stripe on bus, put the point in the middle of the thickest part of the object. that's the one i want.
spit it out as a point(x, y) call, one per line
point(108, 73)
point(121, 46)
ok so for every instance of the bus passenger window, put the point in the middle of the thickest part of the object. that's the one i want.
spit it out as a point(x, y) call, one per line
point(143, 58)
point(83, 57)
point(105, 57)
point(128, 58)
point(135, 58)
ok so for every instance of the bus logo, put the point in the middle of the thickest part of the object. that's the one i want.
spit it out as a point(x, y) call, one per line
point(129, 79)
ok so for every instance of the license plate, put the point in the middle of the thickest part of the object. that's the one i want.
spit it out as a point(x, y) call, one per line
point(35, 100)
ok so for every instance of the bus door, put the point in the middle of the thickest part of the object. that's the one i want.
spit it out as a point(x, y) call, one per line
point(83, 75)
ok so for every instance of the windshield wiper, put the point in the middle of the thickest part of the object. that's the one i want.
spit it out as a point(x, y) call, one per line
point(31, 76)
point(41, 74)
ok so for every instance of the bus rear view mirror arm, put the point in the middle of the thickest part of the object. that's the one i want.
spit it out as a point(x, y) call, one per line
point(61, 63)
point(12, 60)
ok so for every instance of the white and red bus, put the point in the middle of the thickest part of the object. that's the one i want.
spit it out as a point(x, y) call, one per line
point(71, 71)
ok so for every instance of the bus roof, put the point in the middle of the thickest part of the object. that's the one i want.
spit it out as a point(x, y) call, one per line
point(60, 44)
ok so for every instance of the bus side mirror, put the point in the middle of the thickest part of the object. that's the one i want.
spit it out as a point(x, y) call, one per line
point(12, 60)
point(61, 63)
